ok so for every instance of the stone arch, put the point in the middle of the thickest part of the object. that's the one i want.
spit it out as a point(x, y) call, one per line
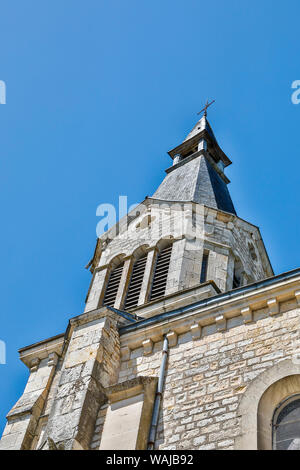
point(257, 402)
point(140, 251)
point(115, 261)
point(164, 242)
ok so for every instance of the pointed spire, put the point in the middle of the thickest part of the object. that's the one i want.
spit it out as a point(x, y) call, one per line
point(197, 181)
point(201, 125)
point(197, 174)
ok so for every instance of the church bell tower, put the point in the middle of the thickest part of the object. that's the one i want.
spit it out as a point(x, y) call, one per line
point(186, 238)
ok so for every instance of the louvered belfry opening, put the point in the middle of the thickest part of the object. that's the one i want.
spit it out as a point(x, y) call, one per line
point(113, 286)
point(135, 284)
point(204, 267)
point(161, 273)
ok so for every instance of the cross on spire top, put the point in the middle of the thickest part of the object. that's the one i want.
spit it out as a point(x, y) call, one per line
point(207, 105)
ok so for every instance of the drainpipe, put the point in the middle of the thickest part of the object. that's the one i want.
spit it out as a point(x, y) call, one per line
point(158, 396)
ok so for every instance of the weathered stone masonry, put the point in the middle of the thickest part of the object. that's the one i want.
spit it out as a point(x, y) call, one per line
point(207, 376)
point(232, 329)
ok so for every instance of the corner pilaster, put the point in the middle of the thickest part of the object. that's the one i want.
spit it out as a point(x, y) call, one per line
point(90, 365)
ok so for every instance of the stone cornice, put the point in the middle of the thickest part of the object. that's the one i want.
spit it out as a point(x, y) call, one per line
point(42, 350)
point(267, 294)
point(127, 257)
point(97, 314)
point(129, 388)
point(180, 298)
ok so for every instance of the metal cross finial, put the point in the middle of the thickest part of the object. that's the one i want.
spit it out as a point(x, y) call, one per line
point(205, 107)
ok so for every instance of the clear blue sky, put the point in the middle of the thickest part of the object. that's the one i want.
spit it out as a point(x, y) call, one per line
point(97, 93)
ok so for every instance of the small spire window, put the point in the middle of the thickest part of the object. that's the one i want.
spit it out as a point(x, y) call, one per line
point(204, 267)
point(236, 281)
point(238, 274)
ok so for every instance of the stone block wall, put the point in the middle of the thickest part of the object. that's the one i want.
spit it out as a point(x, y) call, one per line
point(207, 377)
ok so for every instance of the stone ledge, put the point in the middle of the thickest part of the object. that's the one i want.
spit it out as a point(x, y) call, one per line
point(96, 314)
point(178, 299)
point(129, 388)
point(42, 350)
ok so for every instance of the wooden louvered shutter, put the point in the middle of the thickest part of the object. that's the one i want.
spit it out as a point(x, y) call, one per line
point(113, 286)
point(286, 427)
point(135, 284)
point(161, 273)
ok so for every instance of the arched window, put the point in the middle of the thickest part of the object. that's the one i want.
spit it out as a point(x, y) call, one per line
point(113, 285)
point(286, 425)
point(135, 284)
point(237, 274)
point(160, 277)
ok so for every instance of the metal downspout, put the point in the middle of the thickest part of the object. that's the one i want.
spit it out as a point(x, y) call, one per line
point(158, 396)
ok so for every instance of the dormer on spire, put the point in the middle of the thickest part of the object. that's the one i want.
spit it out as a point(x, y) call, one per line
point(201, 137)
point(197, 174)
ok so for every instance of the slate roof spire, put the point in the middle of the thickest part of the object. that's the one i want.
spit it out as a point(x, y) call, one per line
point(197, 174)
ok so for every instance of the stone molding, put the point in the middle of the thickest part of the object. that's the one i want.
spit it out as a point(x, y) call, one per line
point(130, 388)
point(249, 404)
point(42, 350)
point(243, 305)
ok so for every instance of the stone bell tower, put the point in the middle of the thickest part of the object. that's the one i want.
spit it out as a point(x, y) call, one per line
point(191, 210)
